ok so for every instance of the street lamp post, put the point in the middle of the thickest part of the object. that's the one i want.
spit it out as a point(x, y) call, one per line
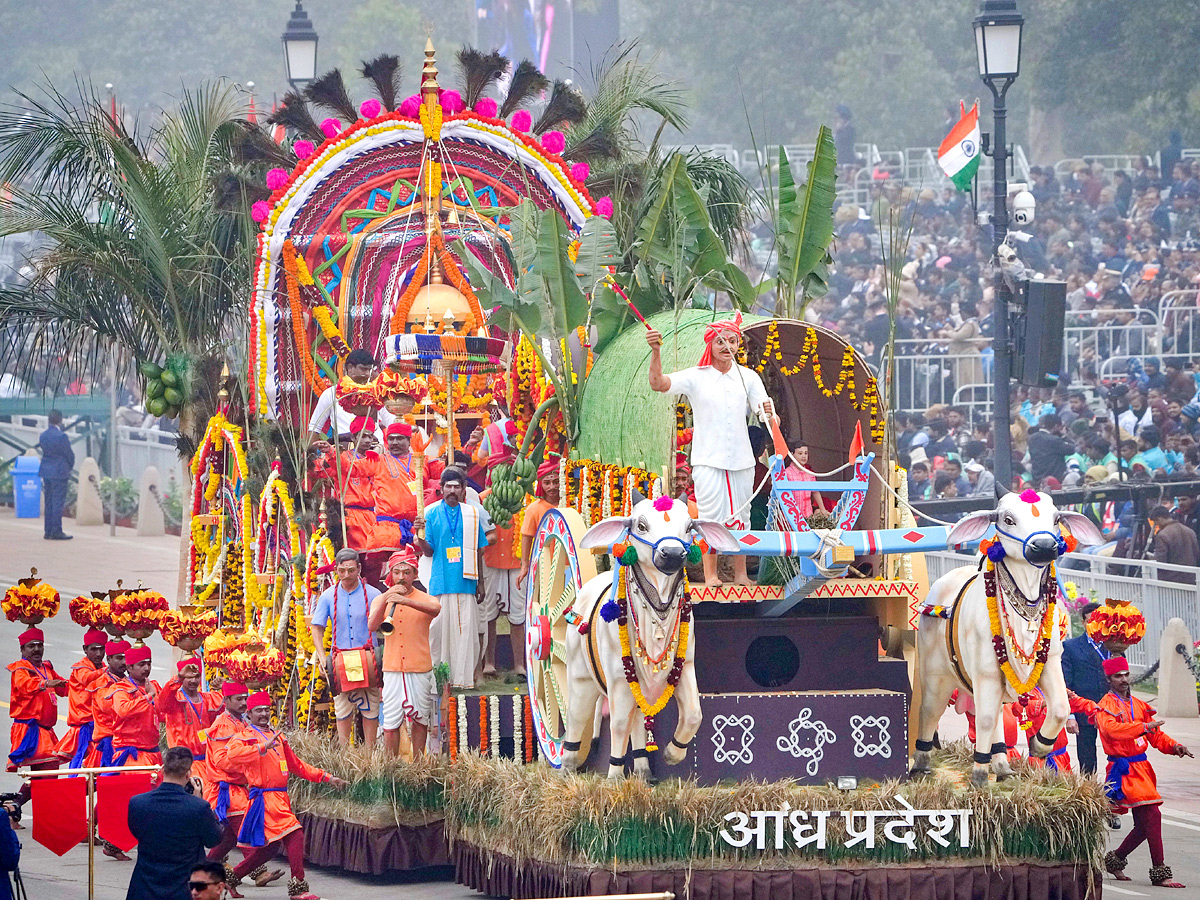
point(998, 47)
point(300, 49)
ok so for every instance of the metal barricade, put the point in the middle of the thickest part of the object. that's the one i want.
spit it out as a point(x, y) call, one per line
point(1098, 334)
point(1111, 161)
point(1180, 315)
point(924, 373)
point(1138, 581)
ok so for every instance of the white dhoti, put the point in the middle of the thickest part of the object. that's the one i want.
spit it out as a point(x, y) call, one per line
point(724, 496)
point(501, 596)
point(454, 637)
point(408, 697)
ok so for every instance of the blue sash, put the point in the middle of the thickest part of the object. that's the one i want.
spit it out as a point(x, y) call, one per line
point(1051, 762)
point(29, 743)
point(125, 754)
point(1118, 768)
point(84, 744)
point(254, 832)
point(104, 745)
point(222, 807)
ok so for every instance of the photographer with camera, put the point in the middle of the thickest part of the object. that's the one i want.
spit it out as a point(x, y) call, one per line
point(10, 847)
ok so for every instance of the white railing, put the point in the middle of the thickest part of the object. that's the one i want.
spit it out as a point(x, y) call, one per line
point(924, 374)
point(1138, 581)
point(1180, 311)
point(1110, 161)
point(1100, 331)
point(137, 448)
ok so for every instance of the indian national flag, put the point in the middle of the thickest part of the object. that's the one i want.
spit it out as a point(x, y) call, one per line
point(959, 154)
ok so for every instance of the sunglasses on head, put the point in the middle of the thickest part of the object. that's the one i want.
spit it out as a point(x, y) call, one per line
point(201, 885)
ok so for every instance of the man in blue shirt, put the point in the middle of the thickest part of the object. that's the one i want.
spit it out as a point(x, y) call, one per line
point(454, 537)
point(347, 604)
point(58, 459)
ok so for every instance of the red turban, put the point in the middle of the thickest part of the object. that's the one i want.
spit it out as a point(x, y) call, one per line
point(405, 555)
point(401, 428)
point(30, 635)
point(549, 467)
point(116, 648)
point(258, 698)
point(232, 689)
point(137, 655)
point(359, 424)
point(94, 636)
point(711, 332)
point(1115, 664)
point(189, 661)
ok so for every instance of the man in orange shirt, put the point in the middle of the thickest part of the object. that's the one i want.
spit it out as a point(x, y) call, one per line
point(409, 688)
point(187, 711)
point(500, 593)
point(135, 729)
point(354, 472)
point(100, 689)
point(546, 498)
point(33, 706)
point(77, 742)
point(1127, 727)
point(266, 760)
point(395, 481)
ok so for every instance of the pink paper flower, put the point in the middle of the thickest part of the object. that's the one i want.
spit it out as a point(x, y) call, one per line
point(452, 102)
point(1029, 495)
point(522, 121)
point(260, 211)
point(580, 171)
point(604, 207)
point(331, 127)
point(370, 108)
point(303, 149)
point(487, 108)
point(663, 503)
point(554, 142)
point(276, 178)
point(411, 107)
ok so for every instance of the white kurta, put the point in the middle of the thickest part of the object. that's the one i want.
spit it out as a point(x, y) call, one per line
point(328, 409)
point(722, 459)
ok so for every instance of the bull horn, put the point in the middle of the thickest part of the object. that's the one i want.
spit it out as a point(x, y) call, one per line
point(636, 498)
point(1001, 490)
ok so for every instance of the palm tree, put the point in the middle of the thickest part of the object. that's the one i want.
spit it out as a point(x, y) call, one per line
point(138, 257)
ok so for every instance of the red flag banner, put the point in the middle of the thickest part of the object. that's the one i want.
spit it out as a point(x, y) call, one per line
point(60, 819)
point(113, 793)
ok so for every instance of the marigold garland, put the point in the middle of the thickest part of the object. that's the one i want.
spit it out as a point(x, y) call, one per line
point(1117, 620)
point(1041, 649)
point(30, 599)
point(483, 726)
point(529, 744)
point(452, 716)
point(315, 380)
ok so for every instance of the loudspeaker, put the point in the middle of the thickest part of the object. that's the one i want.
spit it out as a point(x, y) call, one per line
point(1039, 334)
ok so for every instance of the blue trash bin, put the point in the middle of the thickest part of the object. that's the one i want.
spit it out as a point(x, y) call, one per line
point(27, 487)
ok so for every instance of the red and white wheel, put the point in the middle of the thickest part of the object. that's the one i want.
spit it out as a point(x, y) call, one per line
point(557, 571)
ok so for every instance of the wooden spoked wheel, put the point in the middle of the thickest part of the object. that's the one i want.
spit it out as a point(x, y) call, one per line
point(557, 571)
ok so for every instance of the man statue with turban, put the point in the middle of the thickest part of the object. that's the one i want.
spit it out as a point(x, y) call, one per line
point(722, 394)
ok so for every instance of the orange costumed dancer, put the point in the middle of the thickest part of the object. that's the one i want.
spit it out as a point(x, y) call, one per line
point(135, 719)
point(354, 472)
point(1033, 715)
point(395, 482)
point(187, 711)
point(266, 759)
point(77, 742)
point(33, 706)
point(1128, 727)
point(101, 688)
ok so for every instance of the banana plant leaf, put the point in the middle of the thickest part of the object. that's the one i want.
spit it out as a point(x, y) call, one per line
point(597, 250)
point(806, 221)
point(568, 306)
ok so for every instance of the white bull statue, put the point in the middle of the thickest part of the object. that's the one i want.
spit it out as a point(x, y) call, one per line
point(662, 533)
point(993, 654)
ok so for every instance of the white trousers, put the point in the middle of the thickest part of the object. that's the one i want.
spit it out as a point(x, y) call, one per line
point(454, 637)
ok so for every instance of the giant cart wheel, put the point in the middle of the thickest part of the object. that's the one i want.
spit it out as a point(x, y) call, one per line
point(557, 571)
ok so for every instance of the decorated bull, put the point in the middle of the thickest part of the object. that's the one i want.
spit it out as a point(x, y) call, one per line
point(995, 630)
point(632, 640)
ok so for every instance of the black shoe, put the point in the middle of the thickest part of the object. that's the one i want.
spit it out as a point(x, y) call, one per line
point(1114, 822)
point(60, 537)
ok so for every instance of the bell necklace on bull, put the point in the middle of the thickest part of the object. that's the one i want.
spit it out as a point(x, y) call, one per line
point(642, 604)
point(1040, 547)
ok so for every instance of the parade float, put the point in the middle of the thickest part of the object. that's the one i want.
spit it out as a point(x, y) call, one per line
point(456, 239)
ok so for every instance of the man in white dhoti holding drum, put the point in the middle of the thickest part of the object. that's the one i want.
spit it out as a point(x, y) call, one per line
point(722, 394)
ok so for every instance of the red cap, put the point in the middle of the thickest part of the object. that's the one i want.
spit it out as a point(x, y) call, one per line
point(94, 636)
point(137, 655)
point(232, 689)
point(258, 698)
point(359, 424)
point(188, 661)
point(406, 555)
point(116, 648)
point(1115, 664)
point(30, 635)
point(401, 428)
